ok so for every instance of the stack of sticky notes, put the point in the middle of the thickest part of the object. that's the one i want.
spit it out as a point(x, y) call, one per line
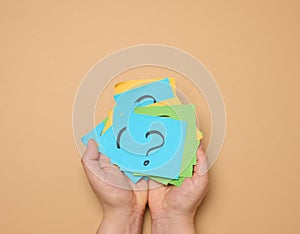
point(149, 134)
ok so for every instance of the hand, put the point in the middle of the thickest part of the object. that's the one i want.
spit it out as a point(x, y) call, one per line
point(173, 208)
point(123, 202)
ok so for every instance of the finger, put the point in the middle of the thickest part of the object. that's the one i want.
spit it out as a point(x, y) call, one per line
point(155, 186)
point(141, 185)
point(90, 159)
point(104, 161)
point(91, 152)
point(107, 166)
point(113, 175)
point(200, 175)
point(201, 167)
point(104, 157)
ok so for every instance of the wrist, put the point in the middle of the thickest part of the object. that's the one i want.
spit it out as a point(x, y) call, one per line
point(175, 223)
point(118, 221)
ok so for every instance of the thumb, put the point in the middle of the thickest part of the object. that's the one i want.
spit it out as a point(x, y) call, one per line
point(201, 167)
point(90, 160)
point(91, 152)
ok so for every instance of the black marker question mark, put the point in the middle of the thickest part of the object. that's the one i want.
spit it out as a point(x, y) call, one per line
point(124, 128)
point(144, 97)
point(119, 137)
point(146, 162)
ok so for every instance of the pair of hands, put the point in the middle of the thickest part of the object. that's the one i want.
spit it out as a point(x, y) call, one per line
point(172, 208)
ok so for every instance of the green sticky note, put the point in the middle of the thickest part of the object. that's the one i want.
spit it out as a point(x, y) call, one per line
point(177, 182)
point(166, 181)
point(180, 112)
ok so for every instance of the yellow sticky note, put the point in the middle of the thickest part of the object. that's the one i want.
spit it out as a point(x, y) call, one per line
point(131, 84)
point(168, 102)
point(199, 134)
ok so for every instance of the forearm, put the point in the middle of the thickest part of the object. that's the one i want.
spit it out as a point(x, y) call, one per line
point(121, 224)
point(173, 225)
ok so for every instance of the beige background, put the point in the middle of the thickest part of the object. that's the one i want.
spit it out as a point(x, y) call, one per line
point(251, 48)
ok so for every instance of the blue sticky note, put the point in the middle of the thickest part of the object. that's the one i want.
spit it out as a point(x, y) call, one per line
point(94, 134)
point(141, 149)
point(154, 146)
point(132, 177)
point(127, 101)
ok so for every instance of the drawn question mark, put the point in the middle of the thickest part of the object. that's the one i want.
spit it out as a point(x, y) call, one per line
point(127, 101)
point(156, 132)
point(122, 130)
point(146, 162)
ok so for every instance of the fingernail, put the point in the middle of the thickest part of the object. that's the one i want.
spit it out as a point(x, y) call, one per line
point(89, 143)
point(202, 167)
